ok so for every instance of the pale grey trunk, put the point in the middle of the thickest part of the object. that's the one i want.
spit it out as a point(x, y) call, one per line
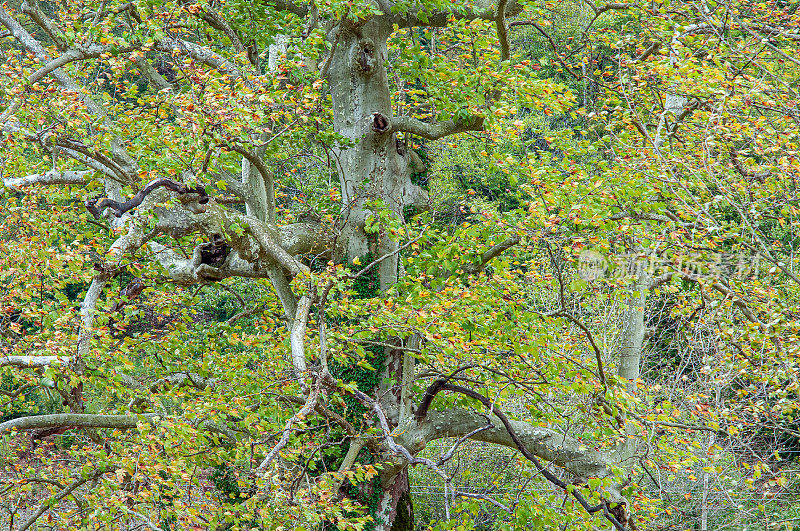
point(631, 344)
point(276, 50)
point(372, 168)
point(258, 201)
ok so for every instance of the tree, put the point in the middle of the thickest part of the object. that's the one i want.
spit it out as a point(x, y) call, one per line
point(382, 330)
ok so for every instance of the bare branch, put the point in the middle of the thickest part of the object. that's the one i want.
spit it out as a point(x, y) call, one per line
point(95, 206)
point(183, 379)
point(32, 9)
point(615, 6)
point(484, 9)
point(297, 339)
point(550, 40)
point(380, 259)
point(273, 249)
point(649, 51)
point(300, 10)
point(216, 21)
point(48, 178)
point(77, 420)
point(199, 53)
point(775, 30)
point(66, 491)
point(266, 175)
point(35, 47)
point(491, 254)
point(307, 408)
point(766, 42)
point(510, 428)
point(72, 55)
point(322, 411)
point(598, 354)
point(484, 498)
point(32, 362)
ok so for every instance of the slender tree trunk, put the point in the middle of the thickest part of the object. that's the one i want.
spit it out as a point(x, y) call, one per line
point(630, 356)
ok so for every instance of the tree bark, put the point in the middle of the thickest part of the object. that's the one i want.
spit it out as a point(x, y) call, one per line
point(372, 171)
point(632, 342)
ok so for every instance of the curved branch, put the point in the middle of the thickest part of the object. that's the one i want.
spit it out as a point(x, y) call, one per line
point(436, 130)
point(550, 40)
point(545, 443)
point(491, 254)
point(95, 206)
point(614, 6)
point(266, 176)
point(35, 47)
point(597, 353)
point(32, 9)
point(297, 339)
point(502, 30)
point(484, 9)
point(300, 10)
point(76, 54)
point(274, 250)
point(308, 407)
point(199, 53)
point(293, 239)
point(183, 379)
point(66, 491)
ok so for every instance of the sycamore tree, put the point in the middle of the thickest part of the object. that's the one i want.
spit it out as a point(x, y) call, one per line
point(164, 138)
point(222, 264)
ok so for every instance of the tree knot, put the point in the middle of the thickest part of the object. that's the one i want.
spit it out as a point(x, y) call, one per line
point(364, 60)
point(380, 123)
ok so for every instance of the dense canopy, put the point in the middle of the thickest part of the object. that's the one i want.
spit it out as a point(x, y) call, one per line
point(399, 264)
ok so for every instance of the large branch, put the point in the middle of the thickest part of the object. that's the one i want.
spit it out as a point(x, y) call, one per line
point(297, 338)
point(48, 178)
point(545, 443)
point(32, 362)
point(35, 47)
point(128, 242)
point(253, 239)
point(309, 406)
point(293, 239)
point(533, 442)
point(502, 30)
point(32, 9)
point(490, 254)
point(300, 10)
point(66, 491)
point(267, 179)
point(76, 54)
point(432, 131)
point(77, 420)
point(199, 53)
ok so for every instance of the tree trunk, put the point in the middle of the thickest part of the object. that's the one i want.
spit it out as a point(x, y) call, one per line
point(373, 170)
point(630, 356)
point(395, 511)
